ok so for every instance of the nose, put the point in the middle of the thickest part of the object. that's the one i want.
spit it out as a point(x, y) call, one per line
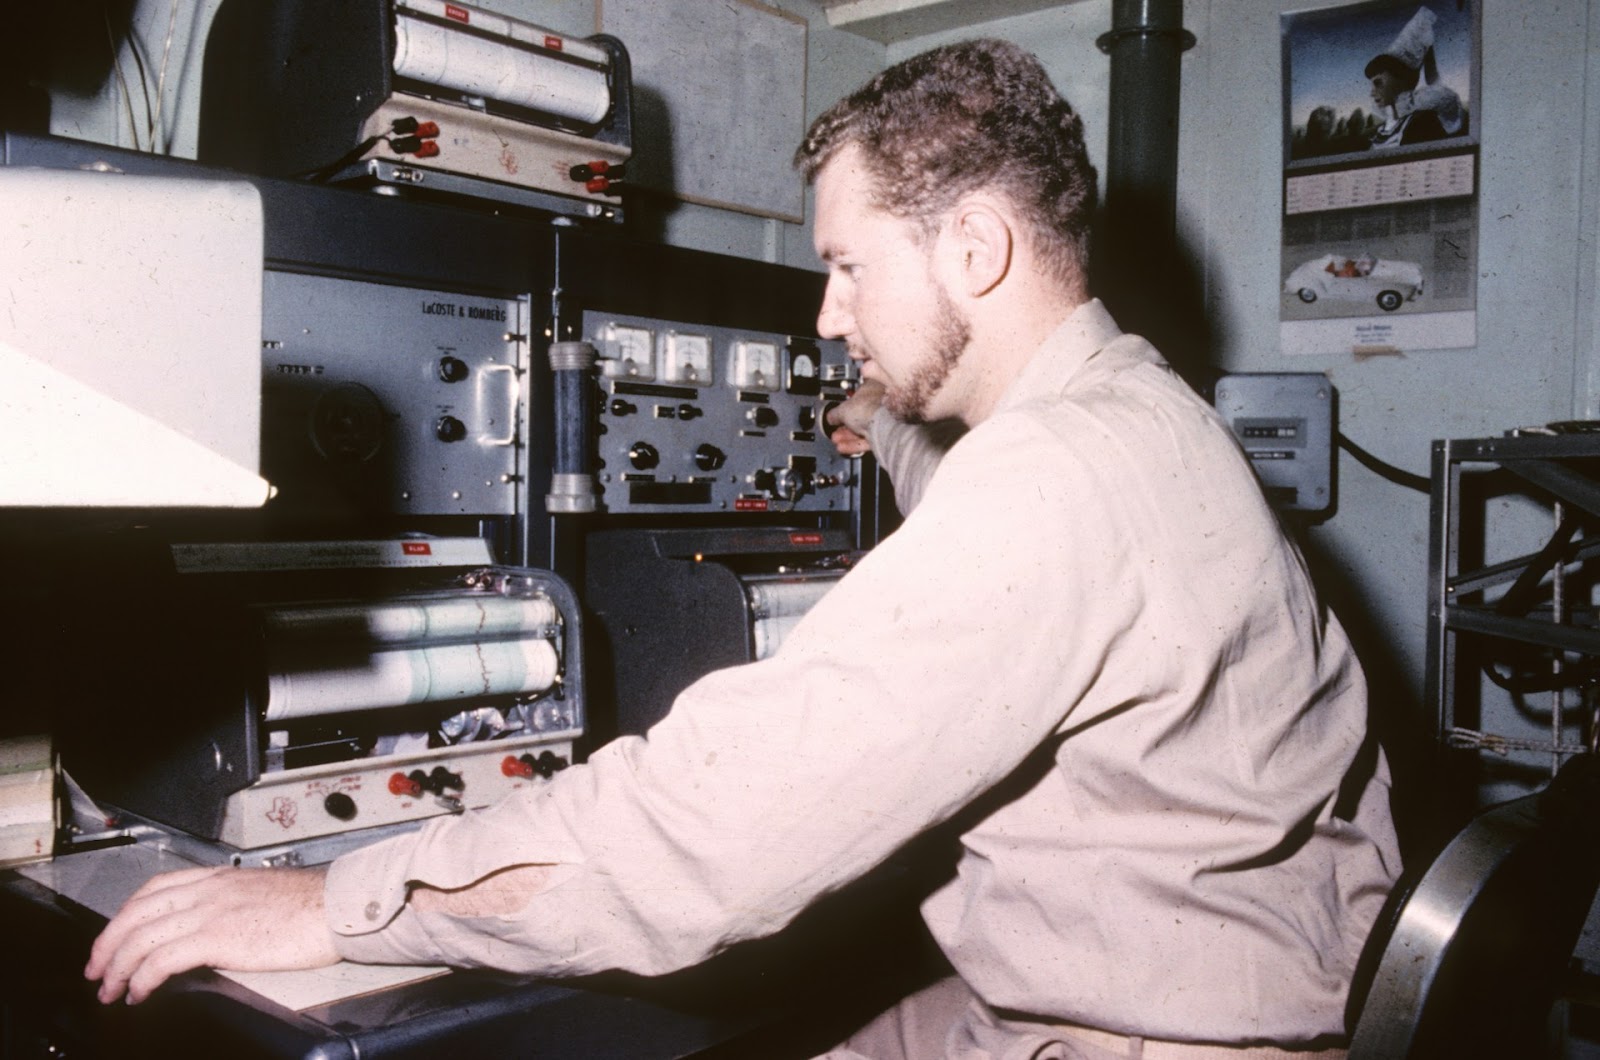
point(833, 321)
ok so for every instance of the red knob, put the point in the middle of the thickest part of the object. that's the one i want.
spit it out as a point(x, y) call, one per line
point(400, 784)
point(516, 767)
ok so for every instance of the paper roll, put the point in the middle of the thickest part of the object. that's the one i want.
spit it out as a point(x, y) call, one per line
point(785, 596)
point(413, 675)
point(777, 605)
point(413, 621)
point(477, 66)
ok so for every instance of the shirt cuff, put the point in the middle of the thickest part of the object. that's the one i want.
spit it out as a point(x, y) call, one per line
point(364, 896)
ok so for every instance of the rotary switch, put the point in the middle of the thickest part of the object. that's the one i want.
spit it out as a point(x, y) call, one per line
point(709, 458)
point(643, 456)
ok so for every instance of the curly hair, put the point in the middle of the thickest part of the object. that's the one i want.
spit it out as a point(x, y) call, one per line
point(975, 115)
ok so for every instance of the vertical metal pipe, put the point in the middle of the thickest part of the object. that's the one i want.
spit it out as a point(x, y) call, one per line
point(1138, 269)
point(1146, 42)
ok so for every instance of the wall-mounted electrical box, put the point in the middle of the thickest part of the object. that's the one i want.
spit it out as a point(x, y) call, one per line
point(1287, 423)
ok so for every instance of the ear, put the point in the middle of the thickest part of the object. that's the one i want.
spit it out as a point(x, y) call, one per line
point(983, 244)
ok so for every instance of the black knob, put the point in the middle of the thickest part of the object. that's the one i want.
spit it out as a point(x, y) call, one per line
point(450, 429)
point(547, 764)
point(442, 778)
point(620, 407)
point(452, 369)
point(709, 458)
point(808, 417)
point(765, 480)
point(643, 456)
point(763, 416)
point(340, 805)
point(689, 412)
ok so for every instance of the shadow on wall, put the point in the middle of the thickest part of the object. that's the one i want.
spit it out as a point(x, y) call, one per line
point(68, 48)
point(649, 202)
point(1151, 282)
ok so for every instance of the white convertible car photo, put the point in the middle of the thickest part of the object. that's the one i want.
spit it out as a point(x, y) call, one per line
point(1356, 279)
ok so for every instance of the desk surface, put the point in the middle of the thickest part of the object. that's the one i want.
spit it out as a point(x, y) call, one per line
point(46, 1004)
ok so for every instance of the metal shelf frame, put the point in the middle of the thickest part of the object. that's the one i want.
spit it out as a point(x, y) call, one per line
point(1533, 609)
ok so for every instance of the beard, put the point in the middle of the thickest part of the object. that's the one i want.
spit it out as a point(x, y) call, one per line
point(952, 333)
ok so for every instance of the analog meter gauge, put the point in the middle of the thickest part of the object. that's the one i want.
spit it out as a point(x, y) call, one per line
point(805, 368)
point(687, 359)
point(629, 352)
point(755, 366)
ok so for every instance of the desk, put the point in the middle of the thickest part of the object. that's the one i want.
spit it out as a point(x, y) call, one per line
point(779, 993)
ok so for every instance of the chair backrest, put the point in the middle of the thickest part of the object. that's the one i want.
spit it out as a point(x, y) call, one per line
point(1471, 952)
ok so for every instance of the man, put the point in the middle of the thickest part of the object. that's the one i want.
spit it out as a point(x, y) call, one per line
point(1088, 638)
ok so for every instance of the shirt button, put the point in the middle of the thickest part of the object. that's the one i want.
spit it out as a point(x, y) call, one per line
point(373, 909)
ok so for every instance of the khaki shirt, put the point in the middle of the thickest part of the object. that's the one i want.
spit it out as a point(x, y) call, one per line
point(1091, 610)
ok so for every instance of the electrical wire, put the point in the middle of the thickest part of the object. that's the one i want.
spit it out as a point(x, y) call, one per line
point(1383, 470)
point(322, 173)
point(161, 81)
point(136, 49)
point(116, 64)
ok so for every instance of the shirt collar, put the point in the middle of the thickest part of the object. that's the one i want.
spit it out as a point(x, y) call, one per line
point(1086, 331)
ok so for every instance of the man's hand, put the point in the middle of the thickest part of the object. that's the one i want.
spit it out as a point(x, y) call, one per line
point(847, 423)
point(241, 919)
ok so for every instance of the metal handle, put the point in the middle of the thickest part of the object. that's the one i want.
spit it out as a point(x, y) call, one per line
point(514, 392)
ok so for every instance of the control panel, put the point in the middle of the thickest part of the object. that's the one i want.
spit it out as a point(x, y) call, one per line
point(391, 400)
point(695, 418)
point(309, 802)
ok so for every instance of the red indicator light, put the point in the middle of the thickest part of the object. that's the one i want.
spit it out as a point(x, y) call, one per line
point(805, 539)
point(750, 504)
point(416, 548)
point(460, 14)
point(555, 44)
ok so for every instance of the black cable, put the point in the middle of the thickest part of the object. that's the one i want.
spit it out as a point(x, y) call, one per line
point(1389, 472)
point(322, 173)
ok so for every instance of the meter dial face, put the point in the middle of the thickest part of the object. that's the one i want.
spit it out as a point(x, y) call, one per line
point(805, 369)
point(688, 359)
point(630, 352)
point(755, 365)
